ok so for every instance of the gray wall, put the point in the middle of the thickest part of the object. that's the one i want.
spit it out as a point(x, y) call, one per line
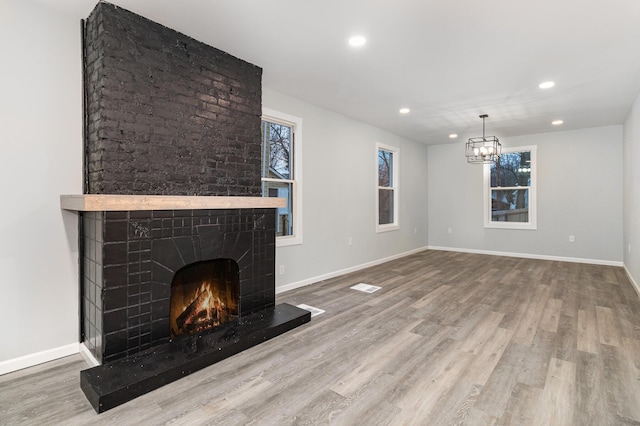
point(579, 193)
point(631, 201)
point(339, 184)
point(40, 158)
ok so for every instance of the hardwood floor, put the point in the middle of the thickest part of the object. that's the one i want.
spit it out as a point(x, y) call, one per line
point(451, 338)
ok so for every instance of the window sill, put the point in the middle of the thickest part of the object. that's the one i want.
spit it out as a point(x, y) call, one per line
point(387, 228)
point(288, 241)
point(512, 225)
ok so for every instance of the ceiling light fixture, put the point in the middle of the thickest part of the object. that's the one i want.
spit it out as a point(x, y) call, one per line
point(453, 135)
point(357, 41)
point(557, 122)
point(405, 110)
point(485, 149)
point(546, 85)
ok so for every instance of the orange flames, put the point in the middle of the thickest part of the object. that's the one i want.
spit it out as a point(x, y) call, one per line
point(206, 310)
point(209, 308)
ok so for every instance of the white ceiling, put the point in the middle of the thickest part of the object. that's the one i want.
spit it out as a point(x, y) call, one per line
point(447, 60)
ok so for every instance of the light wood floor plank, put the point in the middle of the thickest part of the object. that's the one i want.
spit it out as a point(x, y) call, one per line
point(487, 358)
point(531, 315)
point(608, 327)
point(522, 406)
point(375, 359)
point(557, 402)
point(620, 378)
point(588, 338)
point(551, 315)
point(591, 408)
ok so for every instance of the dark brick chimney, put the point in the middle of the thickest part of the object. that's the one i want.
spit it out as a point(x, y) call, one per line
point(167, 114)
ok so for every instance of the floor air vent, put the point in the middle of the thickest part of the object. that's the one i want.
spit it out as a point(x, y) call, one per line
point(314, 311)
point(367, 288)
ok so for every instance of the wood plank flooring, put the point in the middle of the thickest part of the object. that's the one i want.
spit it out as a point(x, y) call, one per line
point(451, 338)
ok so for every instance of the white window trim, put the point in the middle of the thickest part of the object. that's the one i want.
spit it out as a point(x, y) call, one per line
point(396, 188)
point(272, 115)
point(533, 205)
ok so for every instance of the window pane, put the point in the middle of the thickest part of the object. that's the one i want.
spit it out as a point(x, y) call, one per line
point(385, 206)
point(276, 146)
point(513, 169)
point(385, 168)
point(284, 215)
point(510, 205)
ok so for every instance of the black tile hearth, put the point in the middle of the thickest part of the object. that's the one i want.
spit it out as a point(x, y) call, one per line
point(107, 386)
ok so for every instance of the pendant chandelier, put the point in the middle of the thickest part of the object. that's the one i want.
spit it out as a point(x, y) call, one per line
point(485, 149)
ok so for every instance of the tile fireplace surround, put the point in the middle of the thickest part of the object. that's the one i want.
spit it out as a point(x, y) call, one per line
point(132, 247)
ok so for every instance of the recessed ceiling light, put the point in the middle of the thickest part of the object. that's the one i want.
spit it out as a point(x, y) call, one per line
point(557, 122)
point(546, 85)
point(405, 110)
point(453, 135)
point(357, 41)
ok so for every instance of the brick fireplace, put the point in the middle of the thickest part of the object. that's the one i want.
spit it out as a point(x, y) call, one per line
point(172, 177)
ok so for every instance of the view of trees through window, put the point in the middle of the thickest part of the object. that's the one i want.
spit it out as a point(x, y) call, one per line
point(385, 187)
point(277, 170)
point(279, 149)
point(510, 186)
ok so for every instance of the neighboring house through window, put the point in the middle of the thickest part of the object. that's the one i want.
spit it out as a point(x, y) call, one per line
point(281, 172)
point(510, 190)
point(387, 159)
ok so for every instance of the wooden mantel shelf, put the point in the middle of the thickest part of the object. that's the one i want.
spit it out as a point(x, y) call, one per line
point(95, 202)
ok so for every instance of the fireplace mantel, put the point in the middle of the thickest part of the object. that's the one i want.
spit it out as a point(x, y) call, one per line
point(98, 202)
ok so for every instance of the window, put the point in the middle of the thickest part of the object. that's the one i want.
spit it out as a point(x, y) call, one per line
point(387, 188)
point(281, 172)
point(510, 190)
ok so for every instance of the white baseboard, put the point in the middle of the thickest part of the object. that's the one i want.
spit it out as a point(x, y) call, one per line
point(88, 357)
point(26, 361)
point(633, 282)
point(531, 256)
point(312, 280)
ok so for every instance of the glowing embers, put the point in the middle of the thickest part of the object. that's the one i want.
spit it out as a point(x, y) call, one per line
point(203, 295)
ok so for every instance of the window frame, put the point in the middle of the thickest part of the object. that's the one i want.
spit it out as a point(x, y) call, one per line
point(273, 116)
point(395, 225)
point(532, 223)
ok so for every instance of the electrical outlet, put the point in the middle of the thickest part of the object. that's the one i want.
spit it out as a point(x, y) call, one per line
point(572, 239)
point(415, 230)
point(450, 230)
point(350, 241)
point(281, 269)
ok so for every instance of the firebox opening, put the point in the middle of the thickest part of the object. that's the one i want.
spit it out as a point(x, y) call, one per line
point(204, 295)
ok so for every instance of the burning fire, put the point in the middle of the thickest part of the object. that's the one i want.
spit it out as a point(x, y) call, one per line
point(205, 311)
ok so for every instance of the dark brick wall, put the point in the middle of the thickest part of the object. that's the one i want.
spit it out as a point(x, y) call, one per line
point(167, 114)
point(131, 258)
